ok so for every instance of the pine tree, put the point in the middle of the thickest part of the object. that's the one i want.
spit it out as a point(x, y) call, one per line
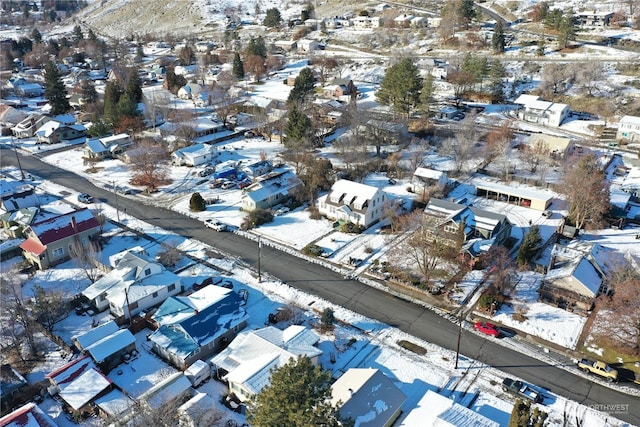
point(126, 107)
point(77, 34)
point(91, 35)
point(238, 66)
point(496, 74)
point(134, 86)
point(272, 18)
point(55, 91)
point(298, 395)
point(523, 416)
point(302, 87)
point(197, 202)
point(36, 36)
point(497, 40)
point(426, 95)
point(297, 128)
point(530, 246)
point(112, 93)
point(256, 46)
point(566, 30)
point(400, 87)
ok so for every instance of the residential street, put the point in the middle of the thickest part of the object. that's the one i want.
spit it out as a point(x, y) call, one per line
point(368, 301)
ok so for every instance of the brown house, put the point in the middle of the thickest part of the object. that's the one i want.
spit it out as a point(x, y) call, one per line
point(340, 87)
point(49, 242)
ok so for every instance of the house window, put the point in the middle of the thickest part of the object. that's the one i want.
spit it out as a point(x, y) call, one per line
point(172, 287)
point(451, 228)
point(58, 252)
point(147, 272)
point(154, 295)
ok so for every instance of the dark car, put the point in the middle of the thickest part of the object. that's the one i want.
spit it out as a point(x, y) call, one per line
point(487, 328)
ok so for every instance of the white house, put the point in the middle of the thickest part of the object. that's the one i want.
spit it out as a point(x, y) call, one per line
point(368, 397)
point(629, 129)
point(434, 409)
point(247, 363)
point(536, 110)
point(366, 22)
point(194, 155)
point(307, 45)
point(107, 147)
point(136, 284)
point(424, 178)
point(269, 190)
point(353, 202)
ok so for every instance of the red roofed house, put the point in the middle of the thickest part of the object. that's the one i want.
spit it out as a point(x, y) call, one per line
point(28, 415)
point(49, 242)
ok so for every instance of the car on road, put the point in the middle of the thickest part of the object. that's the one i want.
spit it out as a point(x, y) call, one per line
point(214, 224)
point(487, 328)
point(85, 198)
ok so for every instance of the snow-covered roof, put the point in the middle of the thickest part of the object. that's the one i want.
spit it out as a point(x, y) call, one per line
point(70, 371)
point(515, 189)
point(525, 99)
point(96, 334)
point(368, 397)
point(84, 388)
point(429, 173)
point(351, 193)
point(630, 120)
point(111, 344)
point(251, 355)
point(587, 280)
point(28, 415)
point(167, 390)
point(114, 403)
point(433, 409)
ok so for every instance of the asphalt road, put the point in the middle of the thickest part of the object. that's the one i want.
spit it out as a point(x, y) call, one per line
point(368, 301)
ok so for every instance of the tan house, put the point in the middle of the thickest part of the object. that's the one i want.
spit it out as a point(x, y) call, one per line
point(49, 242)
point(558, 146)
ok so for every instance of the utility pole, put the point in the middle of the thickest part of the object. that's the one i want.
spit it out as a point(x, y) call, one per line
point(259, 249)
point(115, 191)
point(15, 150)
point(458, 344)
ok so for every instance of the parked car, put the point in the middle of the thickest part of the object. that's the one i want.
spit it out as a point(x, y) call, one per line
point(208, 170)
point(214, 224)
point(244, 184)
point(229, 185)
point(281, 211)
point(598, 368)
point(521, 389)
point(124, 190)
point(487, 328)
point(85, 198)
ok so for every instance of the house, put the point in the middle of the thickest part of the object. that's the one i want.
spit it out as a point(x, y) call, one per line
point(258, 168)
point(201, 130)
point(424, 178)
point(137, 283)
point(194, 155)
point(360, 22)
point(629, 129)
point(53, 132)
point(197, 411)
point(419, 22)
point(22, 87)
point(593, 18)
point(10, 116)
point(368, 397)
point(340, 87)
point(198, 325)
point(50, 241)
point(247, 363)
point(516, 194)
point(350, 201)
point(535, 110)
point(107, 345)
point(107, 147)
point(15, 222)
point(29, 415)
point(286, 45)
point(481, 229)
point(114, 405)
point(174, 388)
point(15, 195)
point(307, 45)
point(576, 276)
point(269, 190)
point(559, 146)
point(27, 127)
point(189, 91)
point(78, 384)
point(12, 384)
point(403, 21)
point(434, 409)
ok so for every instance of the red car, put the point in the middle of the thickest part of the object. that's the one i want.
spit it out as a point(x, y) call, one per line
point(487, 328)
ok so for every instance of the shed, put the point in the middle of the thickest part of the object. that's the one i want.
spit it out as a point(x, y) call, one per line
point(520, 195)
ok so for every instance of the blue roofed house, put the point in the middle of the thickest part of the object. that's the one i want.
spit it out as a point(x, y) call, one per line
point(137, 283)
point(368, 397)
point(247, 363)
point(198, 325)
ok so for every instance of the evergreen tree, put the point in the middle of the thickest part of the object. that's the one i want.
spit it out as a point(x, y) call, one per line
point(298, 395)
point(400, 87)
point(99, 128)
point(426, 95)
point(112, 93)
point(496, 74)
point(134, 86)
point(302, 87)
point(36, 36)
point(297, 128)
point(497, 40)
point(238, 66)
point(91, 35)
point(126, 107)
point(55, 91)
point(88, 91)
point(256, 46)
point(566, 30)
point(530, 246)
point(197, 203)
point(77, 34)
point(272, 18)
point(523, 416)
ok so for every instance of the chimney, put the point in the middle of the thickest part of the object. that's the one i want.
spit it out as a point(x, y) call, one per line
point(350, 392)
point(74, 224)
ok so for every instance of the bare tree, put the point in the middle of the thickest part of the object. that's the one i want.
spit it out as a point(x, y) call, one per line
point(587, 191)
point(147, 164)
point(535, 155)
point(20, 322)
point(254, 64)
point(49, 306)
point(499, 146)
point(86, 255)
point(588, 74)
point(555, 78)
point(169, 255)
